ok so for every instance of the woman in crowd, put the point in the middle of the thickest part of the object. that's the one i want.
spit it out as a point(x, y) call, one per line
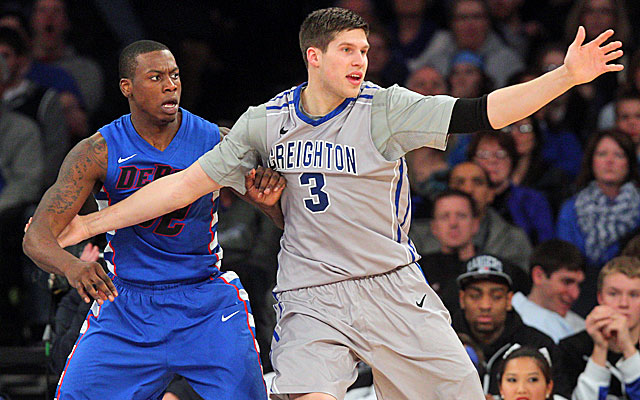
point(532, 170)
point(606, 209)
point(527, 208)
point(526, 373)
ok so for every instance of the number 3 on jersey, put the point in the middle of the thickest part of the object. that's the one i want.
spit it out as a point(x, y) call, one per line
point(319, 200)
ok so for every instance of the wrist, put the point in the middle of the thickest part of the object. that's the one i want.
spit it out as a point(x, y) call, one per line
point(564, 77)
point(628, 350)
point(599, 354)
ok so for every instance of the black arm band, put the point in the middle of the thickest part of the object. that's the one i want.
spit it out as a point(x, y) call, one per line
point(470, 115)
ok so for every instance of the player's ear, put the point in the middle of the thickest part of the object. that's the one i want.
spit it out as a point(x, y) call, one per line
point(314, 55)
point(125, 87)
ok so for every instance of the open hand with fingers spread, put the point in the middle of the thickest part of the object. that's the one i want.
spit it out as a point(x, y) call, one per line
point(585, 62)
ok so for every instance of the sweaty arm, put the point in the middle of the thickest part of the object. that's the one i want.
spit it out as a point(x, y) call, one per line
point(83, 167)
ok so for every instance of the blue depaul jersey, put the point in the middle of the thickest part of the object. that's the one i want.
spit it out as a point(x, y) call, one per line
point(181, 245)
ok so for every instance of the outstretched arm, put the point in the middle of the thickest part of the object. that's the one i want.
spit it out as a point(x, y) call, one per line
point(151, 201)
point(583, 63)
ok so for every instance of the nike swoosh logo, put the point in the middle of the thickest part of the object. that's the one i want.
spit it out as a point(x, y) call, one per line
point(225, 318)
point(283, 131)
point(121, 160)
point(421, 302)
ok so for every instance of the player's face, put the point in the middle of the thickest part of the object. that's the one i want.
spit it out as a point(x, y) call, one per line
point(610, 165)
point(524, 380)
point(495, 160)
point(628, 118)
point(623, 295)
point(343, 65)
point(471, 179)
point(453, 222)
point(155, 88)
point(485, 305)
point(560, 290)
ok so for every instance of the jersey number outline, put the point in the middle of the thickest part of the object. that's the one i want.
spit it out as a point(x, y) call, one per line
point(318, 201)
point(167, 226)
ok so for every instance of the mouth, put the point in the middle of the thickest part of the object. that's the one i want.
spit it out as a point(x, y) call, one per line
point(355, 78)
point(170, 106)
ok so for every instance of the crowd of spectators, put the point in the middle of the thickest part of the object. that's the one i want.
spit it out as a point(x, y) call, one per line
point(514, 227)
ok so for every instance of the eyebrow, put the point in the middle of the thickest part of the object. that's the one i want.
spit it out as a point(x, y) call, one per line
point(161, 72)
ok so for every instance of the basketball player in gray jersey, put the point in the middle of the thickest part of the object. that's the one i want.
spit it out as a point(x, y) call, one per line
point(348, 287)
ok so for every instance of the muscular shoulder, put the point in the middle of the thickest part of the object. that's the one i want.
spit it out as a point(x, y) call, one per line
point(88, 159)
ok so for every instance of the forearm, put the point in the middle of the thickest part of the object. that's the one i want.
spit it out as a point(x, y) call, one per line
point(274, 213)
point(153, 200)
point(41, 246)
point(513, 103)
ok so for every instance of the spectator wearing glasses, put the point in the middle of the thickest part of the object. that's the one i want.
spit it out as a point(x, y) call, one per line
point(560, 146)
point(527, 208)
point(531, 169)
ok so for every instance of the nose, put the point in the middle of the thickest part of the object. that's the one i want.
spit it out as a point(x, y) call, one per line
point(624, 301)
point(359, 59)
point(574, 292)
point(485, 303)
point(453, 221)
point(170, 85)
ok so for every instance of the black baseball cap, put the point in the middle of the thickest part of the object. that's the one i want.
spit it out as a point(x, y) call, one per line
point(484, 267)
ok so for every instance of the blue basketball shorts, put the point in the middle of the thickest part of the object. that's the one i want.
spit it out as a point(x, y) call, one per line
point(132, 347)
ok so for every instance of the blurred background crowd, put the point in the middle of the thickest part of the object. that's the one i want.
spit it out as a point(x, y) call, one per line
point(558, 191)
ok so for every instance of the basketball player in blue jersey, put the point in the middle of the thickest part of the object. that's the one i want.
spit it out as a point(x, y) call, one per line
point(175, 311)
point(348, 286)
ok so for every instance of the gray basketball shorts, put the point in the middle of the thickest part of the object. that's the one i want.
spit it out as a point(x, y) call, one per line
point(394, 322)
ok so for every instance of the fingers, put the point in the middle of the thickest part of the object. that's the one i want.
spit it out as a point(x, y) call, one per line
point(613, 55)
point(611, 46)
point(601, 37)
point(92, 290)
point(82, 292)
point(26, 227)
point(250, 179)
point(579, 37)
point(90, 253)
point(95, 283)
point(105, 284)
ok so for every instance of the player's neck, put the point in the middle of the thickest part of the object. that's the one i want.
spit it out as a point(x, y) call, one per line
point(318, 101)
point(158, 135)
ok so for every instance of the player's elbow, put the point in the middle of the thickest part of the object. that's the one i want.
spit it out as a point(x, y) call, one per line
point(29, 243)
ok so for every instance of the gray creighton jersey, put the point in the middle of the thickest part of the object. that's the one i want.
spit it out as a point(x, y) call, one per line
point(347, 205)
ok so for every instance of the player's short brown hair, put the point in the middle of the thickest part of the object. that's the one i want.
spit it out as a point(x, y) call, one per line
point(628, 266)
point(321, 26)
